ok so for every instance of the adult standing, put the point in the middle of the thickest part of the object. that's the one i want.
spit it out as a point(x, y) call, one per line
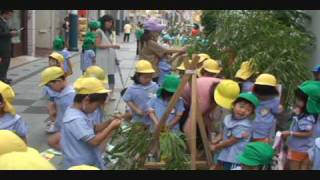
point(127, 31)
point(5, 44)
point(66, 29)
point(139, 33)
point(151, 50)
point(105, 49)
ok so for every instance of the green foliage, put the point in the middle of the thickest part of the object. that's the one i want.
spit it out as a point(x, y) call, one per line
point(277, 40)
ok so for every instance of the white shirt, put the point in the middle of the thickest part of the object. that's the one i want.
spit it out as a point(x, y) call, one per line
point(127, 28)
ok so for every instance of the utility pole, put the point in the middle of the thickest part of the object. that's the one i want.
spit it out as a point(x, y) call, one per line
point(73, 36)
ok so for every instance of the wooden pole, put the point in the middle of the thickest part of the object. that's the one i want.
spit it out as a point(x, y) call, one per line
point(171, 105)
point(194, 107)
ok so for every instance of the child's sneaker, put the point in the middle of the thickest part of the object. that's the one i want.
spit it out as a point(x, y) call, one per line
point(51, 128)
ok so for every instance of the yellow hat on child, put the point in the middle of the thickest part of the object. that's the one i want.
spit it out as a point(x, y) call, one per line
point(50, 74)
point(182, 66)
point(97, 72)
point(89, 85)
point(266, 79)
point(29, 160)
point(245, 71)
point(226, 92)
point(83, 167)
point(203, 57)
point(57, 56)
point(10, 142)
point(144, 66)
point(212, 66)
point(8, 96)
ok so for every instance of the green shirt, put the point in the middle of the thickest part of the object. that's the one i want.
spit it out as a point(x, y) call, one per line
point(139, 33)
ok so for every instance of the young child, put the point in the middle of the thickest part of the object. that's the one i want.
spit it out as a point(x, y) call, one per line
point(180, 70)
point(88, 56)
point(300, 137)
point(143, 89)
point(54, 78)
point(236, 131)
point(56, 59)
point(203, 58)
point(80, 140)
point(166, 41)
point(264, 124)
point(256, 156)
point(9, 120)
point(59, 46)
point(245, 77)
point(210, 68)
point(159, 104)
point(316, 73)
point(93, 26)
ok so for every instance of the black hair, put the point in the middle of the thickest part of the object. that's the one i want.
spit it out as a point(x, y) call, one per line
point(166, 94)
point(300, 95)
point(135, 78)
point(264, 90)
point(103, 20)
point(5, 11)
point(92, 97)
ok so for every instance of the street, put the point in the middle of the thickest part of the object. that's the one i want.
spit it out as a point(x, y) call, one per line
point(32, 107)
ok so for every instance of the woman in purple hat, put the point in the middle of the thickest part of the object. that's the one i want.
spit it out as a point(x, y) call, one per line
point(151, 50)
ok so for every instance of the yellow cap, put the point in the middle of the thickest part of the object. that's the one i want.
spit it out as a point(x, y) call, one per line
point(10, 142)
point(89, 85)
point(266, 79)
point(182, 66)
point(245, 71)
point(49, 74)
point(8, 95)
point(57, 56)
point(226, 92)
point(203, 57)
point(144, 66)
point(97, 72)
point(83, 167)
point(29, 160)
point(212, 66)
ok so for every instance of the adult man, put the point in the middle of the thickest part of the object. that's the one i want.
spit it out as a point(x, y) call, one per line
point(5, 44)
point(139, 33)
point(127, 30)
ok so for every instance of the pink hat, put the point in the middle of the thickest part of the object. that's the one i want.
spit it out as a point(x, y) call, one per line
point(152, 25)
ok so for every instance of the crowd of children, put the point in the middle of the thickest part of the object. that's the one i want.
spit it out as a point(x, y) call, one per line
point(243, 137)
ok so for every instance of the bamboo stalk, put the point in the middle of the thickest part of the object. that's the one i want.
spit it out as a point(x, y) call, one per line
point(171, 105)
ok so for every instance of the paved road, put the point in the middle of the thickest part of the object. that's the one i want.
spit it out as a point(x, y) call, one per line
point(32, 107)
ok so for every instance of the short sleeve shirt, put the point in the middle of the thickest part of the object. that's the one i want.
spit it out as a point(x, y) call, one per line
point(14, 123)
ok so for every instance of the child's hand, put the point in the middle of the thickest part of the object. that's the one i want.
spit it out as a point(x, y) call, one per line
point(115, 123)
point(213, 148)
point(285, 134)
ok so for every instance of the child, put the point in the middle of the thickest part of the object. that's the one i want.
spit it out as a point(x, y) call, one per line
point(180, 70)
point(80, 140)
point(300, 137)
point(159, 104)
point(88, 55)
point(93, 25)
point(256, 156)
point(265, 122)
point(9, 120)
point(210, 68)
point(54, 78)
point(314, 154)
point(143, 89)
point(236, 132)
point(316, 73)
point(59, 46)
point(245, 77)
point(166, 41)
point(55, 59)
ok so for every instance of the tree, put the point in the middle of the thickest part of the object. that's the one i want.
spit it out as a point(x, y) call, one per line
point(276, 40)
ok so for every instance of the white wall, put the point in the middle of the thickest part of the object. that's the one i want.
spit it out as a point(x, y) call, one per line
point(44, 28)
point(315, 28)
point(31, 32)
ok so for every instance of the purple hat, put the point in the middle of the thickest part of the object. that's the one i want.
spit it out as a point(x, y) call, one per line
point(153, 25)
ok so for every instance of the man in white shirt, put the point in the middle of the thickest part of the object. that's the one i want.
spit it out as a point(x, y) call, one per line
point(127, 30)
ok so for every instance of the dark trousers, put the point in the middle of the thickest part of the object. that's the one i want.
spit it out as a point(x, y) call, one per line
point(126, 37)
point(4, 66)
point(138, 47)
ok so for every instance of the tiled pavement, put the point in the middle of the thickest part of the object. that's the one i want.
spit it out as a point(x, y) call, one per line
point(32, 107)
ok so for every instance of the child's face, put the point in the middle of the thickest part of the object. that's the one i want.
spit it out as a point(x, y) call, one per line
point(90, 107)
point(56, 85)
point(242, 110)
point(53, 62)
point(145, 78)
point(299, 106)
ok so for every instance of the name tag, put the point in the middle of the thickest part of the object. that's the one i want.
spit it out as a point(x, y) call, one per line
point(264, 111)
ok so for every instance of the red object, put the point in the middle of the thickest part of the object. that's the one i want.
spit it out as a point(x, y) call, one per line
point(195, 32)
point(83, 13)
